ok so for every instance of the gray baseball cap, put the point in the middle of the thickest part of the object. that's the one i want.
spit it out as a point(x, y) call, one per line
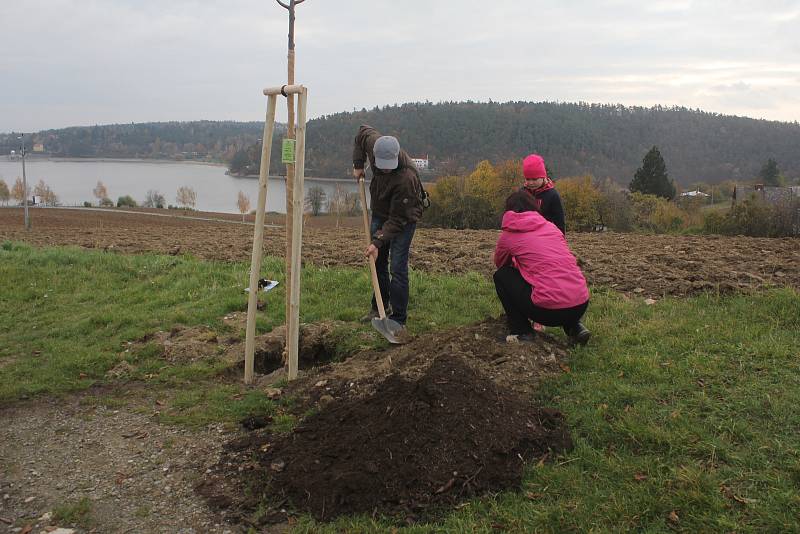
point(386, 151)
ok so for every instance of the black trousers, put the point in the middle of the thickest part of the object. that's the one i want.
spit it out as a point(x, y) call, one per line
point(515, 295)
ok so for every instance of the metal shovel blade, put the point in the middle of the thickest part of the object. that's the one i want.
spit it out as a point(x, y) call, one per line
point(387, 328)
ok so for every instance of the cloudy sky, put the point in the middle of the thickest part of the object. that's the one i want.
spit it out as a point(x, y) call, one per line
point(82, 62)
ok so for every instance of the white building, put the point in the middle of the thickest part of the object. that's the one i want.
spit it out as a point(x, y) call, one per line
point(421, 163)
point(695, 193)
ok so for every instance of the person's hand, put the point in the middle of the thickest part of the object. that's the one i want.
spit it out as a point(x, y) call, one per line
point(372, 250)
point(358, 173)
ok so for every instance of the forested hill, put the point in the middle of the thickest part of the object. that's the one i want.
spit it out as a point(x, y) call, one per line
point(199, 140)
point(604, 140)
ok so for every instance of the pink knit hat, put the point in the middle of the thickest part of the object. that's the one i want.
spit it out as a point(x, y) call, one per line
point(533, 167)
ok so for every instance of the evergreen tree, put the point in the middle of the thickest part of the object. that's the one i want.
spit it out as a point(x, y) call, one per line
point(240, 163)
point(651, 178)
point(769, 174)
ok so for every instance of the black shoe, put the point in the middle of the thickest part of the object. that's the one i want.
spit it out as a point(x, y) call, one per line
point(579, 334)
point(527, 338)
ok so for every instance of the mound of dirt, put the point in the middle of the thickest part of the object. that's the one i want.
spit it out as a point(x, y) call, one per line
point(415, 445)
point(517, 366)
point(407, 432)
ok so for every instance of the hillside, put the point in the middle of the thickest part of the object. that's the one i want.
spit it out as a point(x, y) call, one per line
point(199, 140)
point(604, 140)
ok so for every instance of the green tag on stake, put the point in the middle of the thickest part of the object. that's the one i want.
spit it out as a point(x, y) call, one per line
point(287, 151)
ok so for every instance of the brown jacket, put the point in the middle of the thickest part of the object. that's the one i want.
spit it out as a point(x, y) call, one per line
point(395, 196)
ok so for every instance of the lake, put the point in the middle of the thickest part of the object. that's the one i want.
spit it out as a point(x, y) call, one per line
point(73, 182)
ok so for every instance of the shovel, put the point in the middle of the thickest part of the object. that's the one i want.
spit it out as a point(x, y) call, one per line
point(382, 324)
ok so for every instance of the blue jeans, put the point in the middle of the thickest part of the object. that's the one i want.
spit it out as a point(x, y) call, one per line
point(394, 290)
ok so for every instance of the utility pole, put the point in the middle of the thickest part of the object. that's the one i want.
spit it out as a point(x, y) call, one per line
point(290, 134)
point(25, 184)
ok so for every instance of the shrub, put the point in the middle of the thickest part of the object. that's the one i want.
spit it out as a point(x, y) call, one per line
point(657, 214)
point(754, 217)
point(581, 201)
point(453, 207)
point(126, 202)
point(107, 203)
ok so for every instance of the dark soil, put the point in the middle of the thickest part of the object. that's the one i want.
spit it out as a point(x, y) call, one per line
point(406, 432)
point(413, 449)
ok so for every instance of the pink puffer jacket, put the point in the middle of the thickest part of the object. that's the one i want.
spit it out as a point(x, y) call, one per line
point(538, 249)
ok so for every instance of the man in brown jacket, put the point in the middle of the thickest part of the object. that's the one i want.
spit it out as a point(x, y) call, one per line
point(396, 200)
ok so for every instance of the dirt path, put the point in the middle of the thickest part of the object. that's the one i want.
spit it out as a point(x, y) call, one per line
point(644, 265)
point(138, 475)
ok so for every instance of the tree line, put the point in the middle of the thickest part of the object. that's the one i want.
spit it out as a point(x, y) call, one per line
point(575, 138)
point(648, 203)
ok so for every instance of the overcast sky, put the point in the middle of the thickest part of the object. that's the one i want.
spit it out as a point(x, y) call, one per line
point(83, 62)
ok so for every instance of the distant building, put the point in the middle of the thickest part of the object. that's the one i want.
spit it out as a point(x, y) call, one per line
point(421, 163)
point(771, 194)
point(38, 147)
point(696, 193)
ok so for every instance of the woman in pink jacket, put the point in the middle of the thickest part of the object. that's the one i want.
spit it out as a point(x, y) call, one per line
point(537, 277)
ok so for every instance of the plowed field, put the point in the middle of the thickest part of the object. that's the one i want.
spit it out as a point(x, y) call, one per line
point(646, 265)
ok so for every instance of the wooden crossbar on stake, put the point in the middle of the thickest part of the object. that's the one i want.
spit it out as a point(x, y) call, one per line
point(293, 321)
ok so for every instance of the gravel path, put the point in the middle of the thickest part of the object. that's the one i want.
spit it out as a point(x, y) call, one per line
point(138, 475)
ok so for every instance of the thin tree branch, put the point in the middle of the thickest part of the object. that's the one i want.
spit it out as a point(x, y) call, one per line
point(297, 2)
point(284, 6)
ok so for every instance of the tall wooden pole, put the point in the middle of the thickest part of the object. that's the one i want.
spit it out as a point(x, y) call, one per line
point(293, 324)
point(290, 167)
point(25, 185)
point(258, 239)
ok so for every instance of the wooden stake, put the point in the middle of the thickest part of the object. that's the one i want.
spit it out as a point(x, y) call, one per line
point(258, 238)
point(290, 168)
point(293, 323)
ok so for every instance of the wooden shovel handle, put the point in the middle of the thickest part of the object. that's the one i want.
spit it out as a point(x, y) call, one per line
point(376, 287)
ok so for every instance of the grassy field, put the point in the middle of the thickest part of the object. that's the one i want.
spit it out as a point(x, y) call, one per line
point(684, 413)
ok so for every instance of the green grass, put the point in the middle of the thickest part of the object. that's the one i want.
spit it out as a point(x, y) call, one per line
point(78, 513)
point(684, 413)
point(688, 406)
point(67, 315)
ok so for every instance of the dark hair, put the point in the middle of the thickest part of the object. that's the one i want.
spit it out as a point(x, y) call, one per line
point(521, 201)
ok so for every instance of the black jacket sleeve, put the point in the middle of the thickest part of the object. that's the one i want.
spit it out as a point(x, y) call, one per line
point(553, 210)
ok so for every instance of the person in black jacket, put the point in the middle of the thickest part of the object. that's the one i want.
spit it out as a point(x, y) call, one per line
point(538, 184)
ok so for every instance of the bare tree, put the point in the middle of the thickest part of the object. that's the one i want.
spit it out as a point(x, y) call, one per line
point(243, 203)
point(289, 6)
point(338, 203)
point(353, 203)
point(186, 197)
point(154, 199)
point(5, 193)
point(41, 190)
point(50, 198)
point(315, 200)
point(100, 192)
point(18, 192)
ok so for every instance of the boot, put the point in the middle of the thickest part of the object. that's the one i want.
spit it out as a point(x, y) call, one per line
point(578, 334)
